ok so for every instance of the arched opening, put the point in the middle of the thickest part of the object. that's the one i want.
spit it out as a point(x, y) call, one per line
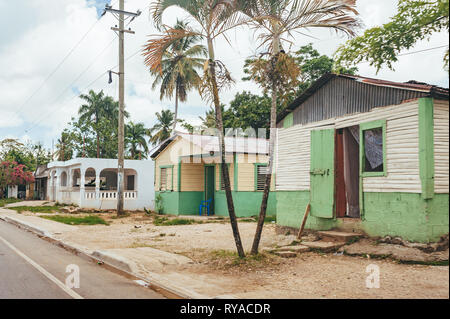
point(76, 178)
point(63, 179)
point(108, 179)
point(89, 178)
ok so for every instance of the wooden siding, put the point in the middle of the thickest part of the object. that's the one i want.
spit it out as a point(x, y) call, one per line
point(192, 177)
point(402, 150)
point(219, 176)
point(441, 146)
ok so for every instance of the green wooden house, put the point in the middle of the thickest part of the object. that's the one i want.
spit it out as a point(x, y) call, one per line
point(368, 155)
point(188, 171)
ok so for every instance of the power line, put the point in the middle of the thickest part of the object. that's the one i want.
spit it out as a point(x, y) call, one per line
point(58, 66)
point(34, 123)
point(419, 51)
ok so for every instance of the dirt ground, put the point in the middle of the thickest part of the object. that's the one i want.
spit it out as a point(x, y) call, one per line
point(216, 271)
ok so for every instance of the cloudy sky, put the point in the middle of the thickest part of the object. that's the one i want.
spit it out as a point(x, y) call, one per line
point(36, 35)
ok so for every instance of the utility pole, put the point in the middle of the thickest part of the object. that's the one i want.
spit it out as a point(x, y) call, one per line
point(120, 15)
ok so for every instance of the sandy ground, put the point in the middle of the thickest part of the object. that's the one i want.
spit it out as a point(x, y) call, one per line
point(310, 275)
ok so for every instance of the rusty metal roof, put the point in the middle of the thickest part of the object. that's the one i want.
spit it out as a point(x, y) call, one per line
point(425, 88)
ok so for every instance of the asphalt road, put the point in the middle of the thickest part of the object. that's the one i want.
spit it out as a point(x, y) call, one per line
point(32, 268)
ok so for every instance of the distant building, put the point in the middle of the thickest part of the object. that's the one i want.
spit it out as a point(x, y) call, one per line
point(92, 183)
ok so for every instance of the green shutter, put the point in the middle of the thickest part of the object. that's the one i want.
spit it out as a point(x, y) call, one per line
point(322, 173)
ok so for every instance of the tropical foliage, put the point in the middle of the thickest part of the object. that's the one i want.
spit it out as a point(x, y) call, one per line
point(177, 72)
point(162, 130)
point(135, 135)
point(277, 20)
point(213, 19)
point(12, 173)
point(416, 20)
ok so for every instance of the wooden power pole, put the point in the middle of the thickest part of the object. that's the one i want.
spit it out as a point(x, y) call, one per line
point(120, 15)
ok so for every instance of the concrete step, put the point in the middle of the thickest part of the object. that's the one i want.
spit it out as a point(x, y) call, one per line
point(324, 246)
point(285, 254)
point(338, 236)
point(298, 249)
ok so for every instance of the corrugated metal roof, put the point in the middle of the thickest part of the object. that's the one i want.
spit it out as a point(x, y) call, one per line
point(41, 171)
point(209, 144)
point(410, 89)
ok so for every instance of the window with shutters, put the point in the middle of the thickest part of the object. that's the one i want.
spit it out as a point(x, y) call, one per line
point(261, 173)
point(166, 178)
point(163, 179)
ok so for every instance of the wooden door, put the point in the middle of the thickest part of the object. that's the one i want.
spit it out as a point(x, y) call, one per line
point(322, 173)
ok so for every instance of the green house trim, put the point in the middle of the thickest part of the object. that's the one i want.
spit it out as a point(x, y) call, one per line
point(160, 170)
point(426, 146)
point(364, 127)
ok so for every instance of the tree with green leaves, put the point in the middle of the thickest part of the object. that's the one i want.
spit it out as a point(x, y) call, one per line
point(135, 140)
point(95, 132)
point(415, 20)
point(214, 18)
point(162, 130)
point(177, 72)
point(93, 110)
point(64, 150)
point(278, 20)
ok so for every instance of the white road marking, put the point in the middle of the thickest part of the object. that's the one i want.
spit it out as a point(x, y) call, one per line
point(55, 280)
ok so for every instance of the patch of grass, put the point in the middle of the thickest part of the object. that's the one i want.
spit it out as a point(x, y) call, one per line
point(36, 209)
point(70, 220)
point(428, 263)
point(164, 221)
point(6, 201)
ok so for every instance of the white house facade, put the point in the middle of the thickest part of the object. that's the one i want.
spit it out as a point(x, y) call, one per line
point(92, 183)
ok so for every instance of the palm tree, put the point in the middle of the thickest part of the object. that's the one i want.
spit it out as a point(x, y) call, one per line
point(63, 147)
point(209, 121)
point(162, 130)
point(135, 139)
point(215, 18)
point(278, 20)
point(93, 110)
point(178, 68)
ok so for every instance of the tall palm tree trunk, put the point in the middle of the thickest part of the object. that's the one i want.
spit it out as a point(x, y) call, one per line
point(175, 119)
point(98, 135)
point(268, 181)
point(225, 174)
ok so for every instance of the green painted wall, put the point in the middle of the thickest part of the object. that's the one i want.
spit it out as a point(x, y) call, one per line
point(246, 204)
point(406, 215)
point(189, 203)
point(170, 202)
point(291, 207)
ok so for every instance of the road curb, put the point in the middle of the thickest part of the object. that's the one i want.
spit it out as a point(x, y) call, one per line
point(116, 264)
